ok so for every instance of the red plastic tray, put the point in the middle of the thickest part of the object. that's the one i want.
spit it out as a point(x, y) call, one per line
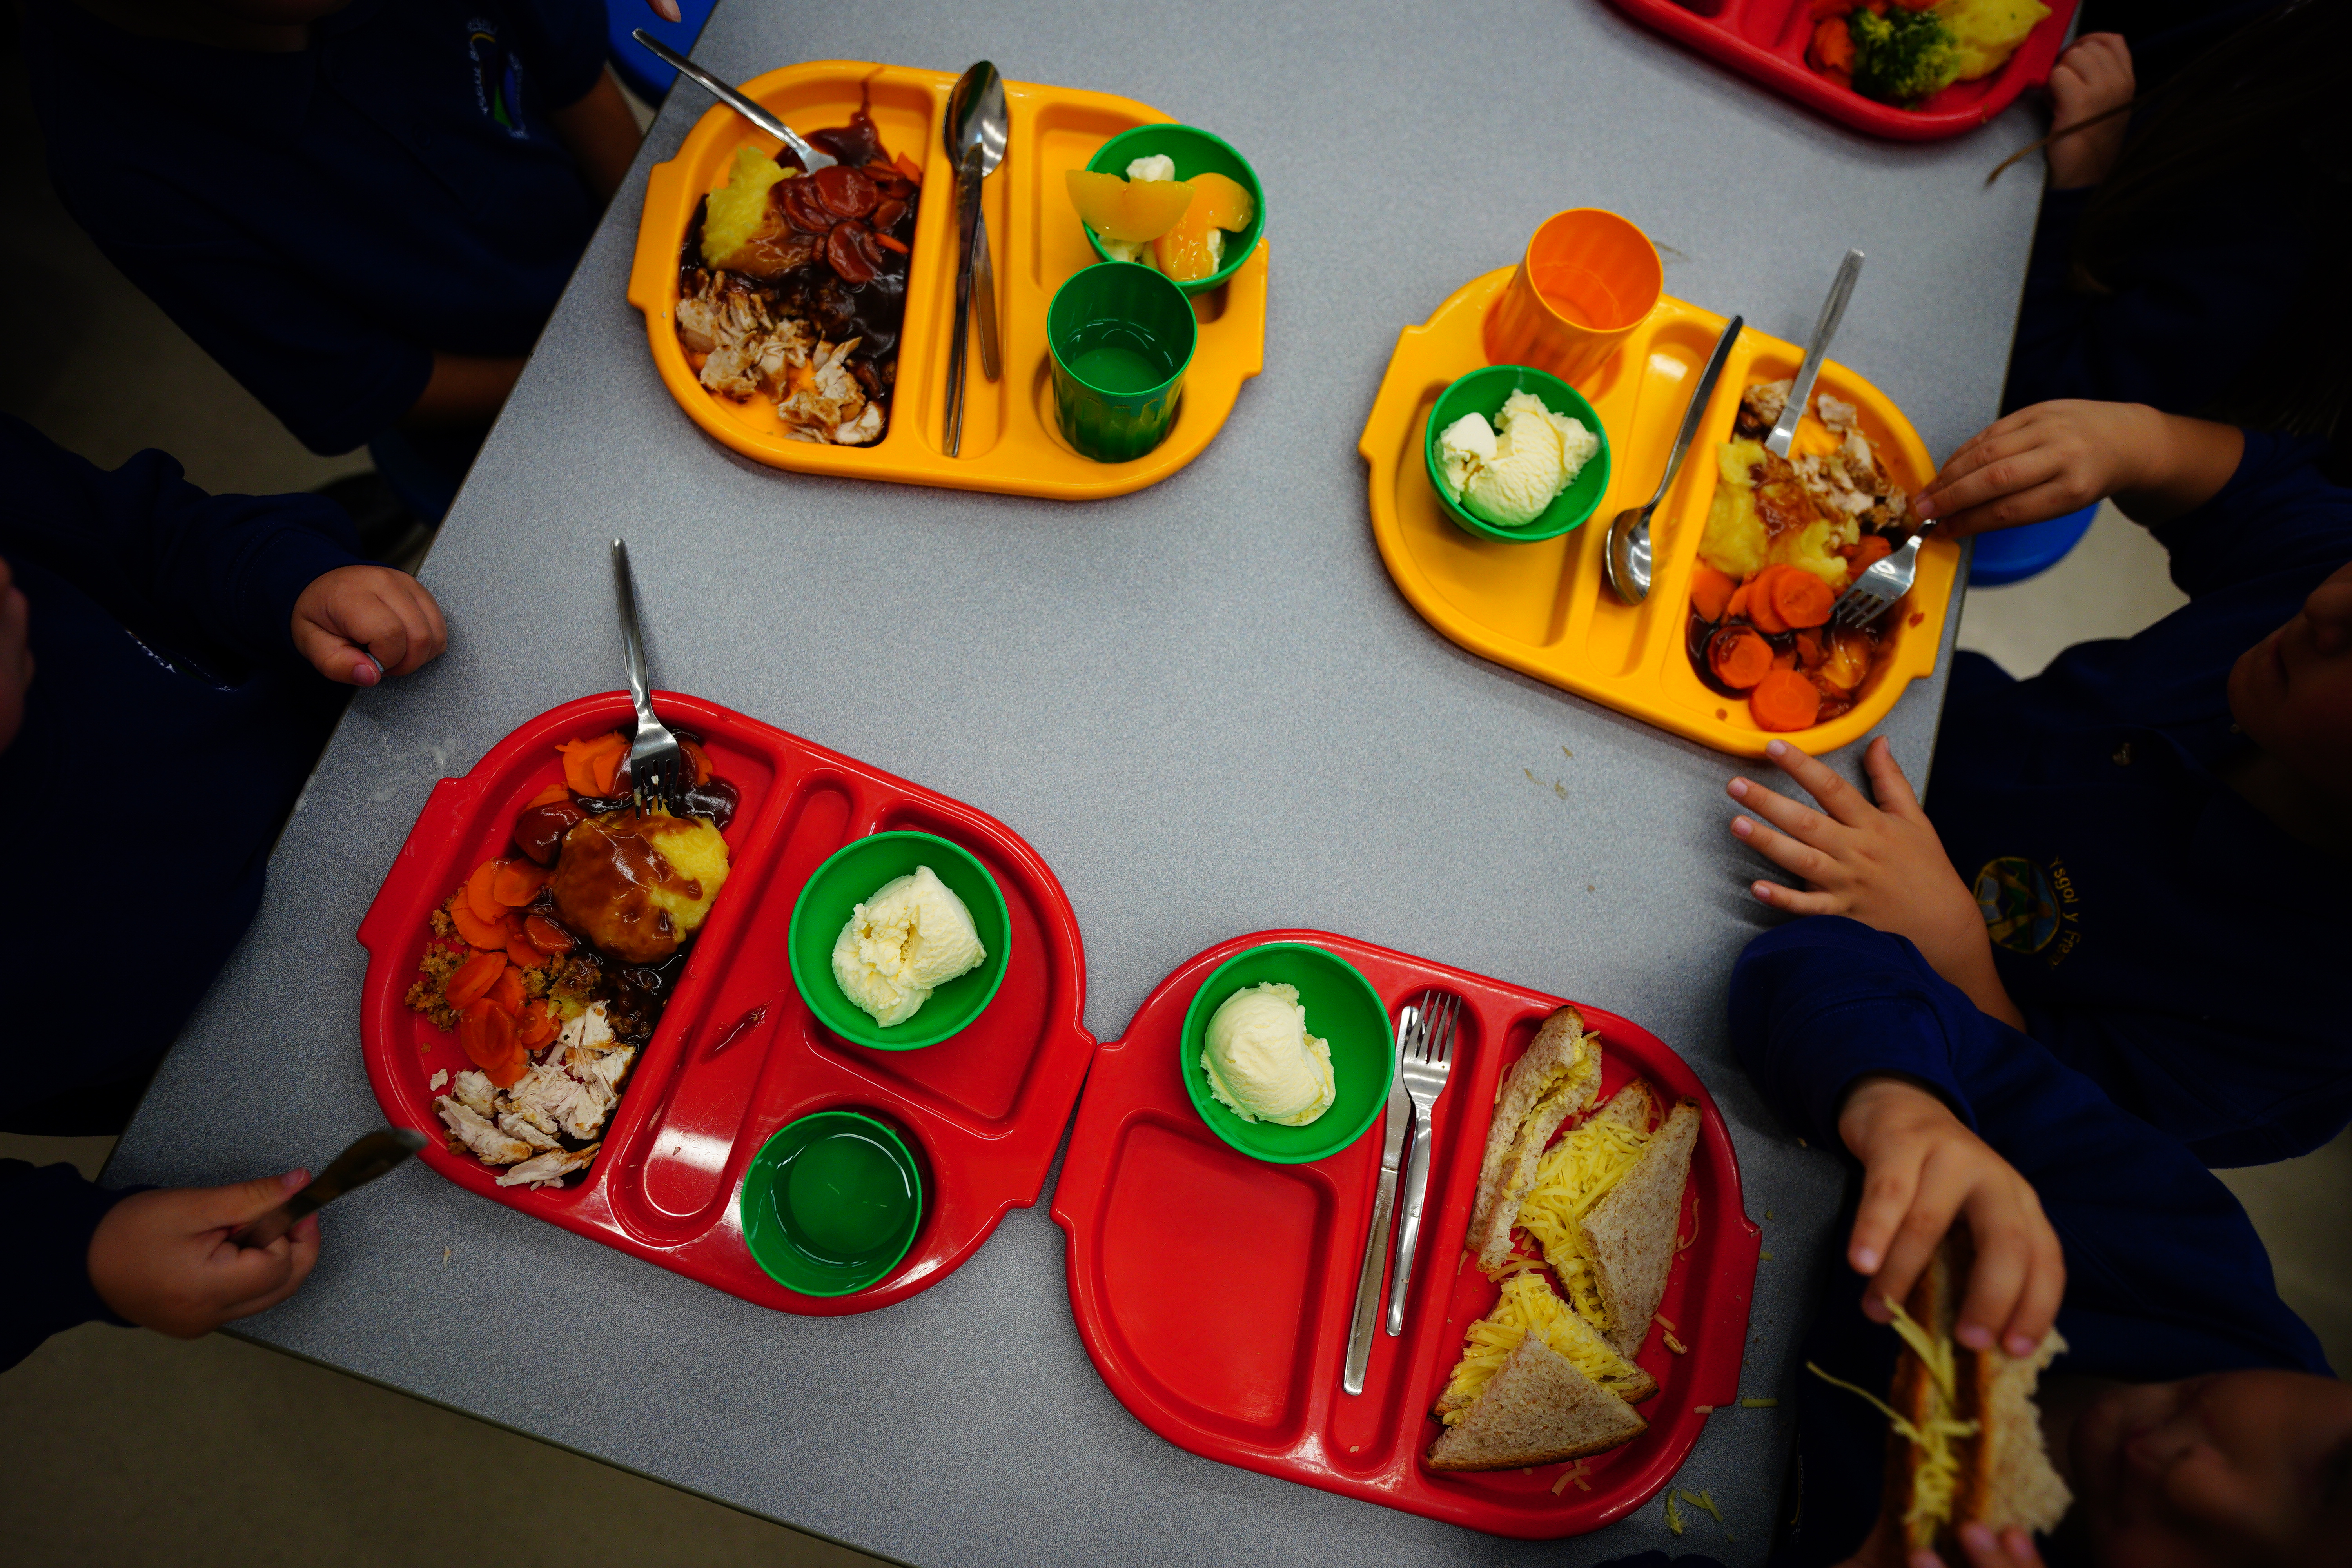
point(1213, 1291)
point(1765, 40)
point(983, 1112)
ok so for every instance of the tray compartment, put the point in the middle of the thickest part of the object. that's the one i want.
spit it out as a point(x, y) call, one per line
point(695, 1113)
point(1545, 609)
point(1142, 1186)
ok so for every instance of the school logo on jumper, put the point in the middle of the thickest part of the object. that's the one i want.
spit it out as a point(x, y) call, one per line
point(2027, 909)
point(497, 76)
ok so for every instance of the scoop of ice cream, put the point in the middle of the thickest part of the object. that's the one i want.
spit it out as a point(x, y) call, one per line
point(1261, 1061)
point(1508, 474)
point(913, 936)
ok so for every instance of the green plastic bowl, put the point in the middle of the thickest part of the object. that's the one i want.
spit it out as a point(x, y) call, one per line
point(855, 873)
point(1194, 152)
point(1341, 1007)
point(1484, 392)
point(831, 1203)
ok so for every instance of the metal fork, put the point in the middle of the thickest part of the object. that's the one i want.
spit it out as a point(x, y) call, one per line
point(1868, 595)
point(1426, 1060)
point(656, 762)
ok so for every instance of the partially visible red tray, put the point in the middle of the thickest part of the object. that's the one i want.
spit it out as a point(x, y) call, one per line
point(983, 1112)
point(1765, 40)
point(1213, 1291)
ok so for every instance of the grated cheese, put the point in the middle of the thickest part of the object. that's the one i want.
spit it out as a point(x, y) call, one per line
point(1700, 1499)
point(1674, 1518)
point(1672, 1343)
point(1576, 1173)
point(1935, 1469)
point(1528, 1302)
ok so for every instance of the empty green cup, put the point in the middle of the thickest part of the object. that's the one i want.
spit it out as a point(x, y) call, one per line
point(1121, 336)
point(831, 1203)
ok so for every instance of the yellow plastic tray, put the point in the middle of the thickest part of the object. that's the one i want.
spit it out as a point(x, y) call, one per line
point(1545, 609)
point(1011, 441)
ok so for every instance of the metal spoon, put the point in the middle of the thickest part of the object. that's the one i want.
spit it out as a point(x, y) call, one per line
point(976, 120)
point(1628, 555)
point(364, 1162)
point(1784, 432)
point(811, 159)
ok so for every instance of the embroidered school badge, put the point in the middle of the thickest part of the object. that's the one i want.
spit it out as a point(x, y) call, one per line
point(2020, 912)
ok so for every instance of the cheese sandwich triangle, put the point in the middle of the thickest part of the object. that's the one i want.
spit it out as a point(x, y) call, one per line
point(1528, 1305)
point(1630, 1233)
point(1538, 1410)
point(1557, 1077)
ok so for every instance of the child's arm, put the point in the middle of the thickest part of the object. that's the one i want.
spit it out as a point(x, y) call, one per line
point(1880, 863)
point(600, 134)
point(464, 390)
point(2055, 458)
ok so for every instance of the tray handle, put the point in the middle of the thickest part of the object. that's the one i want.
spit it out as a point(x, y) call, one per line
point(649, 273)
point(446, 811)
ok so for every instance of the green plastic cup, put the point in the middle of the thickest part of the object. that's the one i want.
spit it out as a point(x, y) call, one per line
point(1121, 336)
point(1341, 1007)
point(831, 1203)
point(1484, 392)
point(854, 874)
point(1193, 152)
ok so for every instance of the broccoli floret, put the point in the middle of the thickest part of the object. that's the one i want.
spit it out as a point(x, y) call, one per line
point(1903, 55)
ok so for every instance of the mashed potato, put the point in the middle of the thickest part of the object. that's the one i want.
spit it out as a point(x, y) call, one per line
point(638, 886)
point(1985, 32)
point(738, 210)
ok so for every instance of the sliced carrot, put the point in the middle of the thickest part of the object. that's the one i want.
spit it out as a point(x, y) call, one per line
point(473, 979)
point(1785, 699)
point(538, 1026)
point(546, 935)
point(609, 768)
point(1786, 658)
point(1800, 598)
point(886, 243)
point(907, 167)
point(517, 883)
point(1832, 47)
point(1760, 607)
point(506, 991)
point(1736, 606)
point(524, 954)
point(1809, 649)
point(549, 797)
point(479, 897)
point(487, 1036)
point(1738, 657)
point(577, 776)
point(489, 935)
point(1873, 548)
point(1711, 590)
point(701, 759)
point(589, 765)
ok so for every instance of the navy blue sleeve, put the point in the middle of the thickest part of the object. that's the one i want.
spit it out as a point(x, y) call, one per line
point(2165, 1276)
point(53, 1213)
point(568, 41)
point(150, 546)
point(2277, 513)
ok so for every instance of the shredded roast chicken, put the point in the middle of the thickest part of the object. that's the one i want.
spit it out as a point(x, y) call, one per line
point(568, 1093)
point(748, 353)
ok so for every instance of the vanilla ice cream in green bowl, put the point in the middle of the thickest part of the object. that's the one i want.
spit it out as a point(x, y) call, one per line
point(1515, 454)
point(1286, 1052)
point(898, 941)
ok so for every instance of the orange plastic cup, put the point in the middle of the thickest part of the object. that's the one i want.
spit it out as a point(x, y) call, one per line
point(1588, 279)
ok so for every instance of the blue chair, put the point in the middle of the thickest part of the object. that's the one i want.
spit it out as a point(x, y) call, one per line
point(2014, 555)
point(644, 75)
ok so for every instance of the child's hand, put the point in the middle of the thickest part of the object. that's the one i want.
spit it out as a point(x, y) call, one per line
point(163, 1260)
point(357, 624)
point(2011, 1549)
point(1921, 1170)
point(2038, 463)
point(2092, 76)
point(16, 655)
point(1882, 864)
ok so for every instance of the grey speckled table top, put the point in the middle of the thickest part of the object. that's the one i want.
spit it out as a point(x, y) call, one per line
point(1204, 704)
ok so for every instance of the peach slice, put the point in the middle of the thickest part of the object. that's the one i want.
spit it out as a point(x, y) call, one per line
point(1184, 252)
point(1128, 211)
point(1225, 201)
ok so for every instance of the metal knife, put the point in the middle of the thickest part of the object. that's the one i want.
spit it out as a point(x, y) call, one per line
point(1784, 433)
point(364, 1162)
point(1397, 1124)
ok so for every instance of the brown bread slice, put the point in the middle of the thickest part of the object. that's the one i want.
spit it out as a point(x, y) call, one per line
point(1538, 1410)
point(1557, 1077)
point(1632, 1231)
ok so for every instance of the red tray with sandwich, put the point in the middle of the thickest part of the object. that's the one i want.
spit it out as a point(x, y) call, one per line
point(1214, 1291)
point(733, 1053)
point(1772, 43)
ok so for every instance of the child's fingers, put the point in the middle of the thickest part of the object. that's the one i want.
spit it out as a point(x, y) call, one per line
point(1888, 1190)
point(2054, 497)
point(1933, 1204)
point(1887, 783)
point(1839, 799)
point(2045, 1288)
point(2011, 1549)
point(1996, 1282)
point(1792, 818)
point(2001, 467)
point(1797, 859)
point(1797, 902)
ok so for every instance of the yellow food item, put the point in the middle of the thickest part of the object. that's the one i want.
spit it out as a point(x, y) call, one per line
point(638, 885)
point(1528, 1303)
point(738, 210)
point(1739, 538)
point(1223, 200)
point(1935, 1478)
point(1193, 248)
point(1733, 542)
point(1128, 211)
point(1577, 1173)
point(1985, 32)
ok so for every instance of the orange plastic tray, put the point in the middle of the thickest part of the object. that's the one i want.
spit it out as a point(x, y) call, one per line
point(1545, 609)
point(1011, 441)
